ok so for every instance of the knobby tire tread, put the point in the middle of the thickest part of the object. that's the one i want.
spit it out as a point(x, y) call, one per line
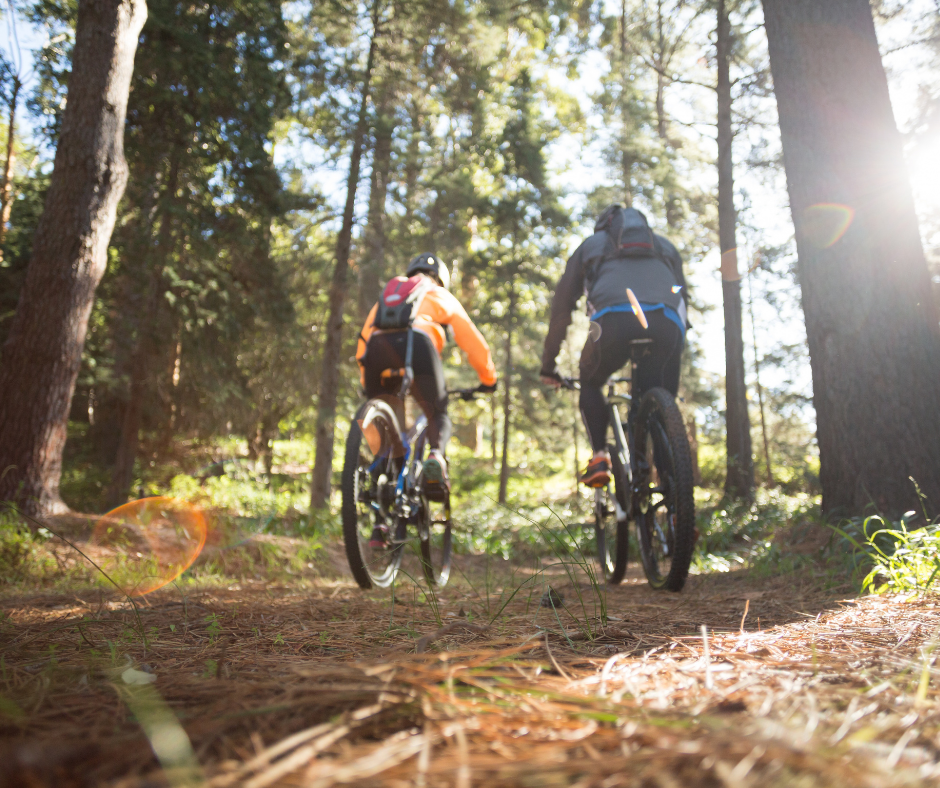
point(661, 400)
point(621, 553)
point(348, 489)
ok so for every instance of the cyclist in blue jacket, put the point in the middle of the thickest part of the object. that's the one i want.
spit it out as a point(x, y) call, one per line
point(622, 254)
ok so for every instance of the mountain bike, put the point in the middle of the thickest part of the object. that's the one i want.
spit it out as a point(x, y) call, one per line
point(651, 469)
point(383, 494)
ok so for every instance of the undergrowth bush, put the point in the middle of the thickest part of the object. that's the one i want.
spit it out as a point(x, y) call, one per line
point(29, 558)
point(737, 534)
point(899, 559)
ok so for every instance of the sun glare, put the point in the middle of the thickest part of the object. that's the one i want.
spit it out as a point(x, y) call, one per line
point(924, 168)
point(150, 542)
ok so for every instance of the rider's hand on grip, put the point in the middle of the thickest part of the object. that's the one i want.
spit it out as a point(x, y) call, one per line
point(484, 389)
point(551, 378)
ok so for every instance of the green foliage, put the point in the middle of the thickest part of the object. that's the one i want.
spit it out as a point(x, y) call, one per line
point(28, 558)
point(239, 124)
point(735, 534)
point(903, 559)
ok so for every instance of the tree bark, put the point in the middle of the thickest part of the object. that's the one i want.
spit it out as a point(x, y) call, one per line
point(333, 345)
point(871, 319)
point(6, 187)
point(507, 401)
point(739, 481)
point(43, 351)
point(493, 431)
point(660, 60)
point(372, 265)
point(757, 385)
point(626, 155)
point(145, 353)
point(412, 165)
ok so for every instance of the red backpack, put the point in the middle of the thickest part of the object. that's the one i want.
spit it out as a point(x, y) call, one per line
point(400, 301)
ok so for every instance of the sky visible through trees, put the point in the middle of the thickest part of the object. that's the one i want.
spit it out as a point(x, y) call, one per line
point(255, 206)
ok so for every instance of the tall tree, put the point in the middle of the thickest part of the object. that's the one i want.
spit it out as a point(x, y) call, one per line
point(372, 264)
point(198, 209)
point(332, 347)
point(739, 481)
point(871, 321)
point(11, 78)
point(43, 351)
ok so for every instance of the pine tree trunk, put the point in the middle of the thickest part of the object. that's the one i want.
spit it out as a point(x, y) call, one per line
point(493, 431)
point(333, 345)
point(507, 402)
point(43, 351)
point(871, 319)
point(6, 187)
point(412, 166)
point(660, 75)
point(372, 265)
point(760, 390)
point(626, 155)
point(739, 482)
point(145, 353)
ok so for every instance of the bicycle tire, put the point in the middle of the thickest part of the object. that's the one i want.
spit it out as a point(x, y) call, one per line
point(613, 563)
point(663, 467)
point(366, 496)
point(436, 542)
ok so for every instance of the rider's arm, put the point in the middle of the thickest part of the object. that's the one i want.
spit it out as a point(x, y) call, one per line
point(364, 335)
point(444, 309)
point(569, 290)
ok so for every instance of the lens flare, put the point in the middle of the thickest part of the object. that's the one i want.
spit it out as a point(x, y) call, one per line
point(825, 223)
point(148, 543)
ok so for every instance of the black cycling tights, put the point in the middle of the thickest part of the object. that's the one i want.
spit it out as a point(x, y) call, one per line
point(387, 351)
point(608, 349)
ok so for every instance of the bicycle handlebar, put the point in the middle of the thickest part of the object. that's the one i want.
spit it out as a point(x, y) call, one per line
point(467, 394)
point(574, 384)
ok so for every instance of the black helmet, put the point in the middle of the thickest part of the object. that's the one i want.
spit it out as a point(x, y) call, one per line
point(428, 263)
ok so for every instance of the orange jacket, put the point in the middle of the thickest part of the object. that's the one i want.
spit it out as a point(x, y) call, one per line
point(440, 308)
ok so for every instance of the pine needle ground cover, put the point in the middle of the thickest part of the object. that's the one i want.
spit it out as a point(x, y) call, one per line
point(292, 677)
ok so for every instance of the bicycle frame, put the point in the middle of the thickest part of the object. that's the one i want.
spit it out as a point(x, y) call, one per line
point(621, 445)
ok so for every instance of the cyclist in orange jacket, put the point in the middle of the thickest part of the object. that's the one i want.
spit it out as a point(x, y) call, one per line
point(381, 351)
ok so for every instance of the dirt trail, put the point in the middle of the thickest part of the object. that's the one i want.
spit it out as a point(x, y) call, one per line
point(813, 690)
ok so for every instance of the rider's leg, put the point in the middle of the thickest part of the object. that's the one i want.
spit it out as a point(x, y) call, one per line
point(430, 391)
point(659, 364)
point(606, 350)
point(604, 353)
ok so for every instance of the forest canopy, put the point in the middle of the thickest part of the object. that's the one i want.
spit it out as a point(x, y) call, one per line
point(285, 159)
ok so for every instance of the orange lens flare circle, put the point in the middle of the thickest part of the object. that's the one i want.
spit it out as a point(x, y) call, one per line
point(146, 544)
point(825, 223)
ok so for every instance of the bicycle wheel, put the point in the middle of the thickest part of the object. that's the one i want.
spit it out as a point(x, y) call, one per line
point(665, 514)
point(610, 533)
point(435, 529)
point(373, 534)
